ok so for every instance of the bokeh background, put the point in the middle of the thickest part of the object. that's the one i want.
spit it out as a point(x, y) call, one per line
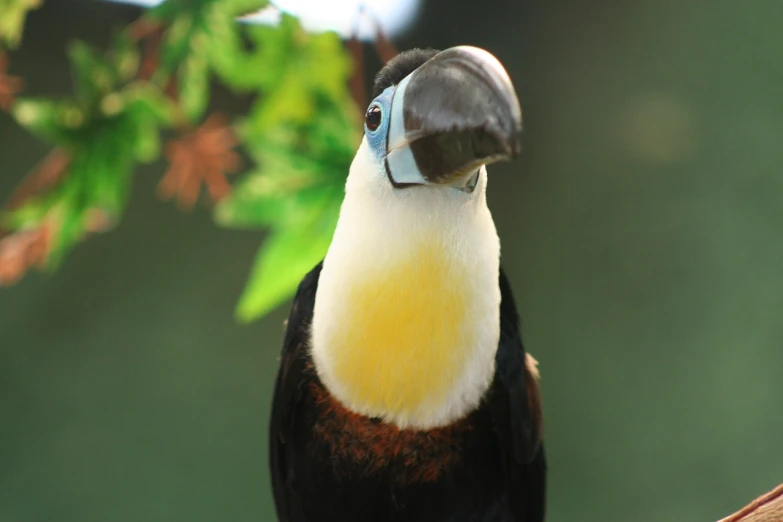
point(641, 230)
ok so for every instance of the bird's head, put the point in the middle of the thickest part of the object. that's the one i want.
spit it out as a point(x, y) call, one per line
point(438, 117)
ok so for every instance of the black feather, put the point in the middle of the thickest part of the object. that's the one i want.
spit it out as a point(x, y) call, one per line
point(288, 394)
point(399, 67)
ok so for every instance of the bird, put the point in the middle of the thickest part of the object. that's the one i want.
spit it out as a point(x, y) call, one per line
point(404, 392)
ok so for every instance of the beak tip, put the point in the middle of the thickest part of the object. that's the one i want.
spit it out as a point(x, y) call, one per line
point(515, 143)
point(510, 143)
point(517, 151)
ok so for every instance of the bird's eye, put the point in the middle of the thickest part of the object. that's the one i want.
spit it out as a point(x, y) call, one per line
point(373, 118)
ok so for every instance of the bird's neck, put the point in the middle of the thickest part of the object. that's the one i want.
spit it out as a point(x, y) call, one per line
point(406, 319)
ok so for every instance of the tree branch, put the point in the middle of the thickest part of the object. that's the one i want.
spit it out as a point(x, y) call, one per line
point(766, 508)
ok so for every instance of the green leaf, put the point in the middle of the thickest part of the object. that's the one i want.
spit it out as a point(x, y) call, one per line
point(286, 256)
point(303, 132)
point(200, 32)
point(12, 18)
point(253, 203)
point(148, 101)
point(327, 64)
point(29, 214)
point(194, 85)
point(93, 76)
point(69, 230)
point(147, 142)
point(262, 66)
point(242, 7)
point(124, 57)
point(41, 117)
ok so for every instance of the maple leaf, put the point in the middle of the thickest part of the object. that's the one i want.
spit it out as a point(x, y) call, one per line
point(203, 155)
point(9, 85)
point(23, 250)
point(150, 35)
point(31, 247)
point(46, 175)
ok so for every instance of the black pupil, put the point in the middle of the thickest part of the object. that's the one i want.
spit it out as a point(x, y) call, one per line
point(373, 117)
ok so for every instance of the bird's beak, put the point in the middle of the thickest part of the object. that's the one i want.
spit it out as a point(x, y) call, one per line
point(455, 113)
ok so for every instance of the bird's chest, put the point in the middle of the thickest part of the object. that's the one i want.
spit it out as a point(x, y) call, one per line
point(411, 341)
point(358, 468)
point(358, 446)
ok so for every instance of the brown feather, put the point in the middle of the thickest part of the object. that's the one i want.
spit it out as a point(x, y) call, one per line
point(373, 445)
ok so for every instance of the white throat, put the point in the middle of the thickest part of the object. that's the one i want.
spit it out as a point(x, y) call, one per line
point(407, 312)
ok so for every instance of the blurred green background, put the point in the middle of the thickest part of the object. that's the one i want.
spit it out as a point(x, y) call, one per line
point(641, 230)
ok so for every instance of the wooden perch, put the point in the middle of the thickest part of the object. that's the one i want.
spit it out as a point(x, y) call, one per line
point(766, 508)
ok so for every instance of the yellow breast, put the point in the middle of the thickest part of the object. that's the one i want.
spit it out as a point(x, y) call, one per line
point(404, 333)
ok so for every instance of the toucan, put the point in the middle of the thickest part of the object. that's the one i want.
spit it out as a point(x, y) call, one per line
point(404, 392)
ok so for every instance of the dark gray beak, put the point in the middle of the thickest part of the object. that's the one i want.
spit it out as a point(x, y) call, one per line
point(455, 113)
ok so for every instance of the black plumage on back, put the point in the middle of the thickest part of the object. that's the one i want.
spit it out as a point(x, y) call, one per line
point(329, 464)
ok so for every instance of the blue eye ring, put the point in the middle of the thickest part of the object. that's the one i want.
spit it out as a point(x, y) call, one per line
point(373, 117)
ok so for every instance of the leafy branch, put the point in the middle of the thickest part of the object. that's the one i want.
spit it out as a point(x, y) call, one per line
point(300, 135)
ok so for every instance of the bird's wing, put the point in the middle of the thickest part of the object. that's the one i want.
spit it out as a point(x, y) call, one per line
point(288, 393)
point(515, 406)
